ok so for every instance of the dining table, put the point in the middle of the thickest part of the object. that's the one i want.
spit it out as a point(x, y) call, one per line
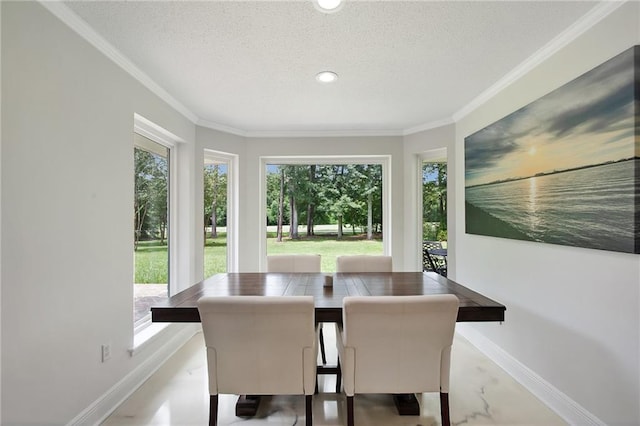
point(328, 292)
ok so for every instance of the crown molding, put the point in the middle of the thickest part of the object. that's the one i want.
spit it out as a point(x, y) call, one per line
point(77, 24)
point(595, 15)
point(322, 133)
point(220, 127)
point(297, 133)
point(428, 126)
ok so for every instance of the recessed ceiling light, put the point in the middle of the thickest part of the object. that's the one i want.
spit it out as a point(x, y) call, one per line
point(326, 77)
point(328, 6)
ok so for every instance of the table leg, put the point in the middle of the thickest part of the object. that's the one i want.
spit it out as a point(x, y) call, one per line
point(247, 405)
point(407, 404)
point(330, 369)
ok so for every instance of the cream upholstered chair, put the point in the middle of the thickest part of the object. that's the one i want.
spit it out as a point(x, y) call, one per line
point(293, 263)
point(397, 344)
point(363, 263)
point(298, 263)
point(259, 345)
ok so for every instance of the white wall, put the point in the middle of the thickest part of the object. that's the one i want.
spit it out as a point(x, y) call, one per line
point(67, 185)
point(572, 314)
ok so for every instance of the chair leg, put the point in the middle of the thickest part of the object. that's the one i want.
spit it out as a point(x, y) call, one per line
point(309, 410)
point(338, 377)
point(213, 410)
point(322, 352)
point(350, 411)
point(444, 409)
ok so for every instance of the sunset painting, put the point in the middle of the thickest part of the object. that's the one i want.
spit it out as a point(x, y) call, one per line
point(564, 169)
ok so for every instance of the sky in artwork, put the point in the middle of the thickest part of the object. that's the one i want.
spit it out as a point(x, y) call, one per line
point(589, 120)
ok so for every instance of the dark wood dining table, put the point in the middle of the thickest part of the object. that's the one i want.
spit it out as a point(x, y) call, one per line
point(328, 292)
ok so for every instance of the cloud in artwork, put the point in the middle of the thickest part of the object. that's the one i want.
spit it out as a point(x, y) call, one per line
point(592, 114)
point(596, 116)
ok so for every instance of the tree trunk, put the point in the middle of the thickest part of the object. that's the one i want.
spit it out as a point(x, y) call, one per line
point(214, 218)
point(141, 213)
point(311, 207)
point(214, 204)
point(370, 216)
point(442, 185)
point(163, 228)
point(280, 207)
point(310, 213)
point(340, 227)
point(293, 228)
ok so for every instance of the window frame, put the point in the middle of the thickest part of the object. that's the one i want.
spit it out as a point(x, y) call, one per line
point(159, 135)
point(383, 160)
point(430, 156)
point(231, 161)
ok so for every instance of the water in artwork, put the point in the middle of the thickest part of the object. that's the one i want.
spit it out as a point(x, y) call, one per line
point(593, 207)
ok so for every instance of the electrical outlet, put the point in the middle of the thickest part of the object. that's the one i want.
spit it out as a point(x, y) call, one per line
point(106, 352)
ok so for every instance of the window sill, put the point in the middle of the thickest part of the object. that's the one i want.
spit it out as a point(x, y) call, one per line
point(145, 336)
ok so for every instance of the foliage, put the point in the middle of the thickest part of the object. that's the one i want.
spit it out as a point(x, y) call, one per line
point(273, 195)
point(335, 193)
point(215, 197)
point(431, 232)
point(434, 201)
point(150, 196)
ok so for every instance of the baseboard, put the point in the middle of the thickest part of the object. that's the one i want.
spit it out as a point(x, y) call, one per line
point(99, 410)
point(572, 412)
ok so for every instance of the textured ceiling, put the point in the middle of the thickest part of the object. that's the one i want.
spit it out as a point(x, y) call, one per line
point(251, 65)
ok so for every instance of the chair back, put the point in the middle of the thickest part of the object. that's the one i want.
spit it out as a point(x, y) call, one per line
point(364, 263)
point(398, 344)
point(432, 262)
point(260, 345)
point(430, 245)
point(293, 263)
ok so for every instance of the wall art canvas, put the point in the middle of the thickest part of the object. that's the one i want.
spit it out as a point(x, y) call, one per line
point(564, 169)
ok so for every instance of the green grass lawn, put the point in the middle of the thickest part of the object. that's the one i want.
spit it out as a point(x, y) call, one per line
point(326, 246)
point(151, 263)
point(215, 255)
point(151, 256)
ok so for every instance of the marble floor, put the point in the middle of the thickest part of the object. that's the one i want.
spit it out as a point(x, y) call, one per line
point(481, 394)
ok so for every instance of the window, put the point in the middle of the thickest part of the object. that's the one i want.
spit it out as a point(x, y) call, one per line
point(216, 230)
point(155, 222)
point(151, 226)
point(321, 206)
point(434, 200)
point(434, 209)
